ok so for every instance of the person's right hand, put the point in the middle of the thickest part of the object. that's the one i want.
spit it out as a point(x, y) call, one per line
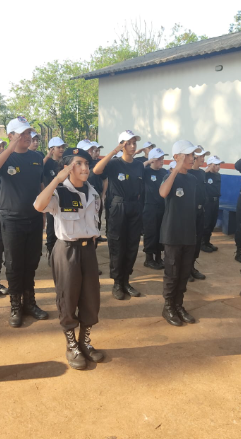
point(180, 160)
point(62, 175)
point(120, 146)
point(14, 141)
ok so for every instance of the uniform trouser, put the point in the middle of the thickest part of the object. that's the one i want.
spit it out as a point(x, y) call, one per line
point(1, 249)
point(238, 223)
point(100, 212)
point(210, 219)
point(124, 231)
point(75, 274)
point(152, 219)
point(50, 232)
point(199, 231)
point(22, 240)
point(178, 265)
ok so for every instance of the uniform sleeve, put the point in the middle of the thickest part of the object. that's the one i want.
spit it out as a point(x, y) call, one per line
point(53, 205)
point(238, 165)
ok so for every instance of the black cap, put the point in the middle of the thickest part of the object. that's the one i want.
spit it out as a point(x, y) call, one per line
point(77, 152)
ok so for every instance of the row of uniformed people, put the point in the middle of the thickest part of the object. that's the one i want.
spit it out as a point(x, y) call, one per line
point(21, 224)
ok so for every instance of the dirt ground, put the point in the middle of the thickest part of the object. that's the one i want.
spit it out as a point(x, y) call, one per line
point(157, 381)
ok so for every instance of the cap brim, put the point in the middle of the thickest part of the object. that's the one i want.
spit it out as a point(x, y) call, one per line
point(148, 146)
point(22, 129)
point(199, 154)
point(190, 150)
point(98, 147)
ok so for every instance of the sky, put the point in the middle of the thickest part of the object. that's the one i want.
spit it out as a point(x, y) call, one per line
point(34, 33)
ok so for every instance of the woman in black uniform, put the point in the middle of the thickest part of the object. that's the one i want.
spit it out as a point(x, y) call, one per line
point(125, 214)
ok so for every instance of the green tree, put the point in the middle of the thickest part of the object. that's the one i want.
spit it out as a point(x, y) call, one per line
point(180, 36)
point(5, 113)
point(236, 26)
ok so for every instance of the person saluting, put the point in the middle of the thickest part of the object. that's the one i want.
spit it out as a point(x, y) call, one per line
point(125, 214)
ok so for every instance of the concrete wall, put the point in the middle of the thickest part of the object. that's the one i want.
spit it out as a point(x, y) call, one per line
point(189, 100)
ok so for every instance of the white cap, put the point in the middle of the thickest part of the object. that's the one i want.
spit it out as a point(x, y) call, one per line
point(118, 155)
point(173, 164)
point(34, 134)
point(18, 125)
point(56, 141)
point(203, 152)
point(184, 147)
point(156, 153)
point(127, 135)
point(215, 160)
point(3, 143)
point(85, 144)
point(147, 144)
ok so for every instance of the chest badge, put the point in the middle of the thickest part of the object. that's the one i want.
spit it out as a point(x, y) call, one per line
point(52, 173)
point(153, 177)
point(121, 177)
point(210, 181)
point(11, 170)
point(179, 192)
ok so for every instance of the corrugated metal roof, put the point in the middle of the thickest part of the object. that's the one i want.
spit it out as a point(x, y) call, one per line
point(210, 46)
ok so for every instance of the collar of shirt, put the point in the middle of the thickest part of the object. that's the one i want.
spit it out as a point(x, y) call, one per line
point(92, 192)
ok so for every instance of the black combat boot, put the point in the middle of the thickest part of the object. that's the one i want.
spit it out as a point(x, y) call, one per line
point(170, 314)
point(150, 263)
point(196, 274)
point(86, 348)
point(118, 291)
point(183, 315)
point(213, 247)
point(238, 254)
point(74, 356)
point(30, 308)
point(128, 289)
point(15, 319)
point(205, 247)
point(159, 261)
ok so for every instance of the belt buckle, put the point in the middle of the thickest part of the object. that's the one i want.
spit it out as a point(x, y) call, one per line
point(84, 243)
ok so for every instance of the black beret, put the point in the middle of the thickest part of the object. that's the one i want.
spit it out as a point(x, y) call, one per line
point(77, 152)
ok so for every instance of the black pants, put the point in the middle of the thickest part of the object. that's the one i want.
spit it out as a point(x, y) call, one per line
point(238, 223)
point(75, 273)
point(178, 264)
point(210, 219)
point(124, 231)
point(152, 219)
point(22, 240)
point(1, 249)
point(51, 237)
point(199, 231)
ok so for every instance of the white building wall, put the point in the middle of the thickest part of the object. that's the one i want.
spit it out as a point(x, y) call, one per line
point(189, 100)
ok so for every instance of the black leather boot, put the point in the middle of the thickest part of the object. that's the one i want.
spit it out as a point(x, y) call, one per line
point(160, 262)
point(118, 291)
point(238, 254)
point(128, 289)
point(205, 247)
point(74, 356)
point(150, 263)
point(86, 348)
point(196, 274)
point(170, 314)
point(30, 308)
point(183, 315)
point(15, 319)
point(213, 247)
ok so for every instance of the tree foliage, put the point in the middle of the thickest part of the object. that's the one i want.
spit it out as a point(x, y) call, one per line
point(50, 97)
point(236, 26)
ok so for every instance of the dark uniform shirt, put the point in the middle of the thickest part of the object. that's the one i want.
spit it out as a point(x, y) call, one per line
point(51, 169)
point(179, 220)
point(213, 184)
point(41, 153)
point(96, 180)
point(125, 179)
point(141, 159)
point(201, 185)
point(152, 182)
point(21, 178)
